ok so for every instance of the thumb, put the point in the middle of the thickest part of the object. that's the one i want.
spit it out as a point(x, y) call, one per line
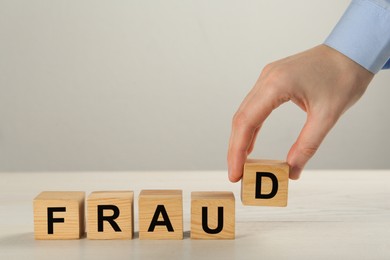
point(308, 142)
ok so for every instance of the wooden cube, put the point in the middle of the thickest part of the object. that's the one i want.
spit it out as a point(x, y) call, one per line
point(212, 215)
point(59, 215)
point(265, 183)
point(161, 214)
point(110, 215)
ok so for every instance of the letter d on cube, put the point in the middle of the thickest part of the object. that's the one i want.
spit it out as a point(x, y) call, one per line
point(265, 183)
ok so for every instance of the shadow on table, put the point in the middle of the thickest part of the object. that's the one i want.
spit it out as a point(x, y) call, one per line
point(17, 240)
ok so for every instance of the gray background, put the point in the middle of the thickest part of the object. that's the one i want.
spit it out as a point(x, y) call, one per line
point(153, 85)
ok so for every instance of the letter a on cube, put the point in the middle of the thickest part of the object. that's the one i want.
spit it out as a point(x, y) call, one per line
point(265, 183)
point(59, 215)
point(161, 214)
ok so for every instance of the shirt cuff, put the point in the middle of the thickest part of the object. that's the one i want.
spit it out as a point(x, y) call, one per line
point(387, 65)
point(363, 34)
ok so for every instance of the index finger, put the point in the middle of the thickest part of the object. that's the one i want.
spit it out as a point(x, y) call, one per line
point(255, 108)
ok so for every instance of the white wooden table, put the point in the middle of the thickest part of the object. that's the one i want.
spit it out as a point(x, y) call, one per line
point(331, 215)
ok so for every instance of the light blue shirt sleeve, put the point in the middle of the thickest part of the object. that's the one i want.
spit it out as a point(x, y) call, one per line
point(363, 34)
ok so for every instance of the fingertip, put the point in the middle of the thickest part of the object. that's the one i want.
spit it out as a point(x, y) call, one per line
point(236, 161)
point(295, 170)
point(234, 178)
point(295, 173)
